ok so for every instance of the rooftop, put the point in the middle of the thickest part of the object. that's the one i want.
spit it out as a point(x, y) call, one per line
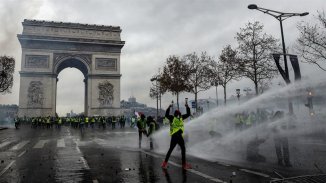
point(70, 25)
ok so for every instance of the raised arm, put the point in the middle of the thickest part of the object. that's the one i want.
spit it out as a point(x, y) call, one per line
point(185, 116)
point(167, 114)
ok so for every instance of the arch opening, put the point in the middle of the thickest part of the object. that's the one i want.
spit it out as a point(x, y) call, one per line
point(71, 86)
point(72, 62)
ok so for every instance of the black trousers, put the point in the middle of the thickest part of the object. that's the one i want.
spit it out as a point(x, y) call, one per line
point(141, 136)
point(177, 139)
point(282, 149)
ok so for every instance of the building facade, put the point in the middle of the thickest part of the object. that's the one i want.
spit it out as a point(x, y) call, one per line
point(49, 47)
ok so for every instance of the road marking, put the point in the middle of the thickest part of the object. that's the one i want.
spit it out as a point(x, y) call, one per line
point(190, 170)
point(205, 176)
point(79, 151)
point(40, 144)
point(80, 143)
point(95, 181)
point(4, 139)
point(7, 167)
point(223, 164)
point(4, 144)
point(61, 143)
point(278, 174)
point(256, 173)
point(20, 145)
point(85, 163)
point(22, 153)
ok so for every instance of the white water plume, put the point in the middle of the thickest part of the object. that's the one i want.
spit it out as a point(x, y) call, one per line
point(213, 135)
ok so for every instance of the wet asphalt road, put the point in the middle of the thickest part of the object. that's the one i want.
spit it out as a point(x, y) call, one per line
point(97, 155)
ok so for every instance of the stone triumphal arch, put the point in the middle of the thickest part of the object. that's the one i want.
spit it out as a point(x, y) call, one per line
point(50, 47)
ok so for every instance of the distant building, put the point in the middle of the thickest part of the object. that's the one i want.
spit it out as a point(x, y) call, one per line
point(71, 114)
point(131, 106)
point(131, 103)
point(132, 100)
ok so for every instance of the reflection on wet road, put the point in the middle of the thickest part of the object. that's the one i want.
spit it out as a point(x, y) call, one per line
point(66, 155)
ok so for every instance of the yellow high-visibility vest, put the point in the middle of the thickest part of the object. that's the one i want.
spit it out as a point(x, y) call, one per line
point(176, 125)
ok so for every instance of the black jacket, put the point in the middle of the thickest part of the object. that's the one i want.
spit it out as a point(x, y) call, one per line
point(170, 117)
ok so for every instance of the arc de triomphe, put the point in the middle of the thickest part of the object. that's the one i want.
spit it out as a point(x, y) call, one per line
point(50, 47)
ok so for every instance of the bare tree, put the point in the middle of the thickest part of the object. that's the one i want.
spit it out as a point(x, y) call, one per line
point(7, 68)
point(175, 76)
point(264, 85)
point(156, 91)
point(200, 72)
point(255, 48)
point(311, 45)
point(227, 67)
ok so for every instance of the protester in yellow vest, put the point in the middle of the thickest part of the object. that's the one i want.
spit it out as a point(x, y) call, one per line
point(239, 121)
point(59, 122)
point(152, 126)
point(141, 124)
point(176, 132)
point(86, 121)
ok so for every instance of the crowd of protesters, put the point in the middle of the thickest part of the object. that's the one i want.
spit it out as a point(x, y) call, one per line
point(248, 119)
point(48, 122)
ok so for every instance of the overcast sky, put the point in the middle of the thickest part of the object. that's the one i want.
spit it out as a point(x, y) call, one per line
point(153, 30)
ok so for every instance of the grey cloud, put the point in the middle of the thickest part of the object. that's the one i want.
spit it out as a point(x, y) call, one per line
point(11, 15)
point(155, 29)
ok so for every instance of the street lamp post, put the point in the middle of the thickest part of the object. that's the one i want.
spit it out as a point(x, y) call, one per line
point(238, 94)
point(156, 85)
point(310, 104)
point(280, 16)
point(216, 83)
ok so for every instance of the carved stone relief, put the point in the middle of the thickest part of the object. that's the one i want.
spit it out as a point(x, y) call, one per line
point(37, 61)
point(109, 64)
point(62, 56)
point(72, 32)
point(106, 96)
point(35, 94)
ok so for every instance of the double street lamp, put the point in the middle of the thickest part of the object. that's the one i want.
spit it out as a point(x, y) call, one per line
point(281, 16)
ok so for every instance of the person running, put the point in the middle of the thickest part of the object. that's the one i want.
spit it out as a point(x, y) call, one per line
point(152, 126)
point(281, 140)
point(114, 121)
point(141, 124)
point(133, 122)
point(176, 132)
